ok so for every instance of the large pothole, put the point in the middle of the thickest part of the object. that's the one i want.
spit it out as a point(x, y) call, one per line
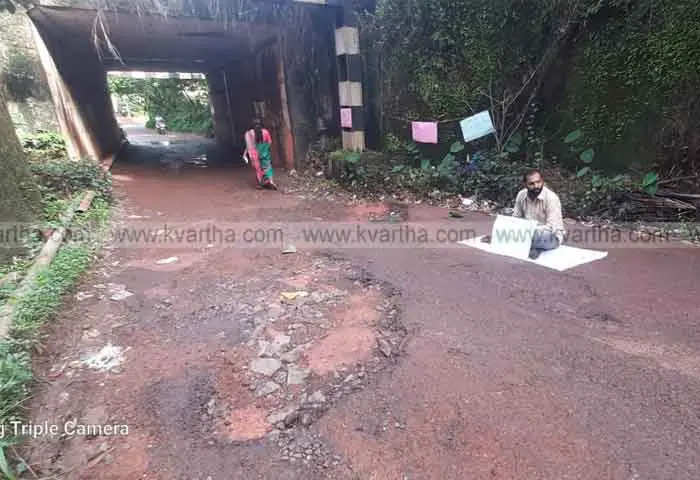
point(323, 333)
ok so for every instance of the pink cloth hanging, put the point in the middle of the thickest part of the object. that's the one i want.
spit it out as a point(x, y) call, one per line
point(425, 132)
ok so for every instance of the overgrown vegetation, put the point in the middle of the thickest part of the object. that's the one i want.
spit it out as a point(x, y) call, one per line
point(44, 146)
point(30, 314)
point(603, 93)
point(60, 183)
point(183, 103)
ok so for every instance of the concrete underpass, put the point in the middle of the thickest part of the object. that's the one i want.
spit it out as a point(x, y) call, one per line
point(284, 73)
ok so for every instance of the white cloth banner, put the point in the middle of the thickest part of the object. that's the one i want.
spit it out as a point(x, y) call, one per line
point(477, 126)
point(560, 259)
point(512, 237)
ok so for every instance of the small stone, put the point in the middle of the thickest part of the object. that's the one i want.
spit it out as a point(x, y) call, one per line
point(265, 366)
point(121, 295)
point(266, 389)
point(280, 377)
point(280, 415)
point(317, 397)
point(91, 333)
point(297, 375)
point(291, 356)
point(384, 347)
point(291, 419)
point(266, 349)
point(307, 419)
point(279, 341)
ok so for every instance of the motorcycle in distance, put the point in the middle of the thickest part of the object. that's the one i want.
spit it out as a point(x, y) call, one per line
point(160, 125)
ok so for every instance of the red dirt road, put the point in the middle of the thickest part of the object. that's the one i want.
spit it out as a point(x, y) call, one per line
point(506, 370)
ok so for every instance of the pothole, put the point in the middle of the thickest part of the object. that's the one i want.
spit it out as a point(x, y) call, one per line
point(318, 334)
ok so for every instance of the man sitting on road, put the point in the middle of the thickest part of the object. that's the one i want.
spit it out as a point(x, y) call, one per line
point(539, 203)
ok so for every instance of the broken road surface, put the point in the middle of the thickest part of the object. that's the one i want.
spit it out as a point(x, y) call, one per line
point(393, 363)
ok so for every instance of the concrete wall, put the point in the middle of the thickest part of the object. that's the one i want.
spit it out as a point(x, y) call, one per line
point(224, 128)
point(236, 90)
point(311, 78)
point(27, 91)
point(79, 88)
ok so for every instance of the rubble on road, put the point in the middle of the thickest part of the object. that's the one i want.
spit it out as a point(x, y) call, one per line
point(265, 366)
point(277, 362)
point(107, 358)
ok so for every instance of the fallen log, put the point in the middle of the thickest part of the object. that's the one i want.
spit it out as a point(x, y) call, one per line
point(681, 196)
point(642, 206)
point(44, 259)
point(677, 179)
point(659, 201)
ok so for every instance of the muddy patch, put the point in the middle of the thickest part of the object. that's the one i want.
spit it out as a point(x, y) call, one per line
point(353, 339)
point(246, 423)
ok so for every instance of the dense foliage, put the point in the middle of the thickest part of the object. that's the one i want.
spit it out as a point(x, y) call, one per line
point(634, 87)
point(44, 146)
point(622, 72)
point(58, 179)
point(184, 104)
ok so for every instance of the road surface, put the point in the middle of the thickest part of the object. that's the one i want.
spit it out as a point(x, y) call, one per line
point(493, 368)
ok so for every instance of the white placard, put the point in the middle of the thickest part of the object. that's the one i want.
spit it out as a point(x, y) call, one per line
point(512, 236)
point(477, 126)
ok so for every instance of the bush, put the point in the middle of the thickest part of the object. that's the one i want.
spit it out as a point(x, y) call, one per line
point(493, 176)
point(45, 145)
point(374, 172)
point(64, 178)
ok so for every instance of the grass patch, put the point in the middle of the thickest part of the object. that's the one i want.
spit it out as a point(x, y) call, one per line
point(33, 310)
point(60, 183)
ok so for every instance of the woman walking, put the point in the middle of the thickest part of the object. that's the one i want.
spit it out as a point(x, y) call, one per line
point(258, 141)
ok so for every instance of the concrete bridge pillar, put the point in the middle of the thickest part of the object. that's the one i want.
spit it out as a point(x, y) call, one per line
point(347, 49)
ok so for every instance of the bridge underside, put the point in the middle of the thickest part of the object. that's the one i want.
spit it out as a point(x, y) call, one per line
point(285, 72)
